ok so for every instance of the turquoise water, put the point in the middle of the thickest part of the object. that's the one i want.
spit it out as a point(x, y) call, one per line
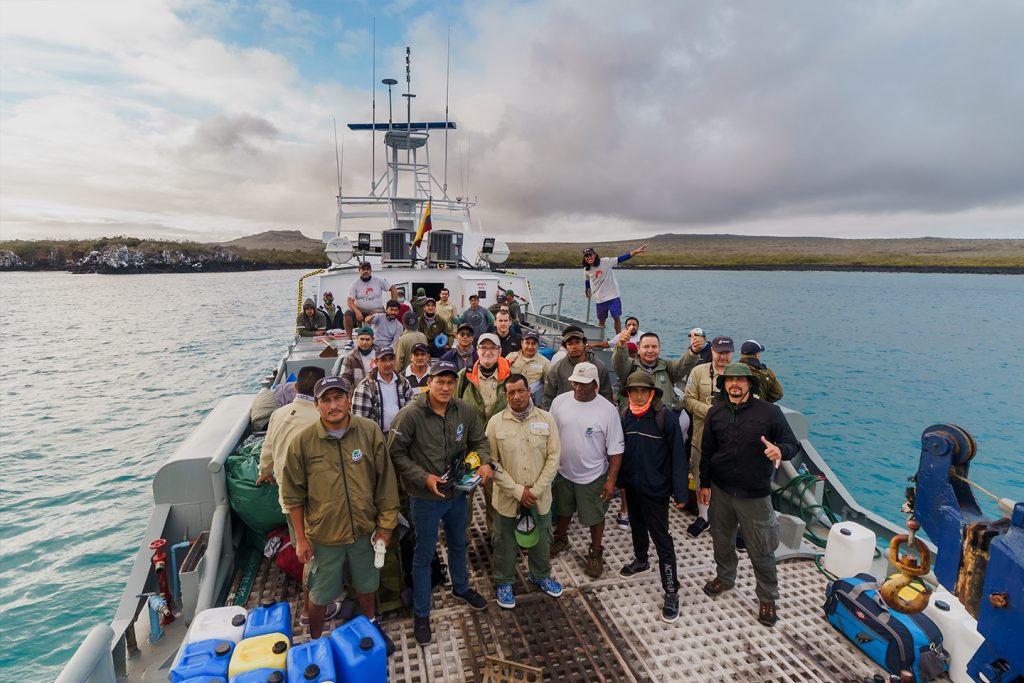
point(103, 375)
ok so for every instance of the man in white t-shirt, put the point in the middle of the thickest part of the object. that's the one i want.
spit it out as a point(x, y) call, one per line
point(592, 446)
point(600, 284)
point(367, 296)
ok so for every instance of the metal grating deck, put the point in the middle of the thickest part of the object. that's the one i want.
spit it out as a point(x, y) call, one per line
point(609, 629)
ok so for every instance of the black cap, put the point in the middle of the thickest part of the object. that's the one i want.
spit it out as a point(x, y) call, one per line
point(410, 321)
point(420, 346)
point(442, 367)
point(326, 384)
point(279, 647)
point(531, 334)
point(752, 346)
point(465, 326)
point(572, 331)
point(365, 264)
point(366, 644)
point(311, 673)
point(384, 351)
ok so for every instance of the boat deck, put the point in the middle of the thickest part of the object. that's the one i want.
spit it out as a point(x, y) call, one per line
point(609, 629)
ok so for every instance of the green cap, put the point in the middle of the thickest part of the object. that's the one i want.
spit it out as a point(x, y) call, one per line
point(527, 532)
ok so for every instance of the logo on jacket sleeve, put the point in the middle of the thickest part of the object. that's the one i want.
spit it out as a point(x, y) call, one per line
point(357, 455)
point(459, 431)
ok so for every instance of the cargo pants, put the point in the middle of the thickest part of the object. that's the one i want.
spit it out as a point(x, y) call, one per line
point(756, 518)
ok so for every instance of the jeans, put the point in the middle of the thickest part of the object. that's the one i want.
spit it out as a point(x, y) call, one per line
point(426, 516)
point(648, 514)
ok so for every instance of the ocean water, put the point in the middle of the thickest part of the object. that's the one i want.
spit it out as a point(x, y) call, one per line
point(101, 377)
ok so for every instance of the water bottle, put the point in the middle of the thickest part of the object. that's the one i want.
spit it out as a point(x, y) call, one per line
point(379, 551)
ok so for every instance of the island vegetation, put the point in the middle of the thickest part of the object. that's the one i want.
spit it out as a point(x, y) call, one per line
point(292, 249)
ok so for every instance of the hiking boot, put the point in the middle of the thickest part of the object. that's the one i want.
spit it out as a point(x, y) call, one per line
point(634, 567)
point(766, 613)
point(421, 630)
point(504, 596)
point(389, 645)
point(559, 544)
point(622, 520)
point(699, 526)
point(547, 584)
point(472, 598)
point(595, 563)
point(670, 612)
point(714, 587)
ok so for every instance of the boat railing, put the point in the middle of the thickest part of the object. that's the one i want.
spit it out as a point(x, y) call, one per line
point(93, 661)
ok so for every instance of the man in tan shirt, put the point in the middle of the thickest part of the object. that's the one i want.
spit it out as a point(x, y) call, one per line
point(531, 364)
point(525, 450)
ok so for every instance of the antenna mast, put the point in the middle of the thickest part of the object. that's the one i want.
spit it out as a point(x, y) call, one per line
point(447, 80)
point(373, 129)
point(337, 163)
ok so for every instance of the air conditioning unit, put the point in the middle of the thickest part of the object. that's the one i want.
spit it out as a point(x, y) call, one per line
point(396, 246)
point(446, 247)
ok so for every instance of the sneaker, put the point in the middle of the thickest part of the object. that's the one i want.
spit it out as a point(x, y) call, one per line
point(559, 544)
point(389, 645)
point(741, 544)
point(670, 612)
point(766, 613)
point(547, 584)
point(622, 520)
point(421, 630)
point(349, 345)
point(699, 526)
point(472, 598)
point(595, 563)
point(330, 611)
point(715, 587)
point(634, 567)
point(504, 596)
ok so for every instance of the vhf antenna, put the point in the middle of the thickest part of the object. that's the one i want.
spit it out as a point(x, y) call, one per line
point(408, 101)
point(447, 80)
point(373, 128)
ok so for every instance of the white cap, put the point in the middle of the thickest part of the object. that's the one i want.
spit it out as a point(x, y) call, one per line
point(584, 373)
point(489, 336)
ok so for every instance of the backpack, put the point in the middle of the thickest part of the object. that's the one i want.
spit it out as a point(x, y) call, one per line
point(659, 417)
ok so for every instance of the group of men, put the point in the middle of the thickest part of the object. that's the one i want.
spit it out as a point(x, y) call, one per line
point(544, 440)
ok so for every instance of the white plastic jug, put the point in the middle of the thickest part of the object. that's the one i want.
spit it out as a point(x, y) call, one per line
point(960, 635)
point(221, 623)
point(850, 550)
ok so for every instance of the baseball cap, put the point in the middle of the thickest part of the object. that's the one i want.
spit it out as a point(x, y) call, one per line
point(584, 373)
point(429, 300)
point(364, 330)
point(327, 383)
point(365, 264)
point(572, 331)
point(489, 336)
point(384, 351)
point(698, 332)
point(420, 346)
point(410, 321)
point(420, 291)
point(531, 334)
point(465, 326)
point(589, 251)
point(442, 367)
point(722, 344)
point(752, 346)
point(527, 531)
point(509, 292)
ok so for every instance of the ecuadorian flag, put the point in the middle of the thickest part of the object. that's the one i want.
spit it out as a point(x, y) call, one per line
point(424, 226)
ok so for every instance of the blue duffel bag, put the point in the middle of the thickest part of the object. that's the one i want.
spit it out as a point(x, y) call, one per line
point(896, 642)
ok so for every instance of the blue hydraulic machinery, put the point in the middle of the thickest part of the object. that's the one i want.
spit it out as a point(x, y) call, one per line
point(979, 560)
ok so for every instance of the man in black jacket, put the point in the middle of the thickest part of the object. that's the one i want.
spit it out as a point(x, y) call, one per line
point(654, 467)
point(744, 440)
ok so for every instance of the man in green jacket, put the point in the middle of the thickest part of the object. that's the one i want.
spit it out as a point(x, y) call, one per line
point(648, 359)
point(427, 436)
point(340, 490)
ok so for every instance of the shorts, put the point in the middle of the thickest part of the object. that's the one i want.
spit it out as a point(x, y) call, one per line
point(614, 306)
point(582, 499)
point(324, 573)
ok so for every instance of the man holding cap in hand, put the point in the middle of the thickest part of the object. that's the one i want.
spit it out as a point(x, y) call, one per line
point(744, 440)
point(339, 487)
point(426, 438)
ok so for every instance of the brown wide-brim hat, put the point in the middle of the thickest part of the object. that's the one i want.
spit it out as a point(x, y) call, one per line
point(642, 379)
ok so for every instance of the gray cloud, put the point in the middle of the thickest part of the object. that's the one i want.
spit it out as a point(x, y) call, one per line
point(228, 134)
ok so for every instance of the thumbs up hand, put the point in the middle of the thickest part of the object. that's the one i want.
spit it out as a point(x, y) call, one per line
point(772, 452)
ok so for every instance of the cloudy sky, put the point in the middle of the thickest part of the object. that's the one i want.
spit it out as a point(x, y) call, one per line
point(211, 120)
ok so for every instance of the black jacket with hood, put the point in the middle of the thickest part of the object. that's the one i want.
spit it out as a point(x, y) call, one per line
point(655, 461)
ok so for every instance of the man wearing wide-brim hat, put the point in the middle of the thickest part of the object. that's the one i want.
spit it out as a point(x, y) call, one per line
point(654, 467)
point(744, 440)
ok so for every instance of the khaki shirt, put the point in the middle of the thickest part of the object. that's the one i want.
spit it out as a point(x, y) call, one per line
point(527, 455)
point(448, 311)
point(700, 390)
point(347, 487)
point(533, 369)
point(285, 423)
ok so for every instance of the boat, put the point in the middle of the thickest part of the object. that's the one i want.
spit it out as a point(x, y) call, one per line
point(191, 557)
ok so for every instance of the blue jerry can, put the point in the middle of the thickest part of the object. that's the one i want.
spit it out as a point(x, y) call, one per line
point(359, 652)
point(311, 662)
point(260, 676)
point(269, 617)
point(208, 658)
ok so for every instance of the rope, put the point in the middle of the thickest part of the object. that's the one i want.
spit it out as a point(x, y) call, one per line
point(991, 495)
point(309, 274)
point(800, 485)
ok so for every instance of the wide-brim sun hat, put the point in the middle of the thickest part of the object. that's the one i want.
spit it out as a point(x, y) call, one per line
point(640, 379)
point(735, 370)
